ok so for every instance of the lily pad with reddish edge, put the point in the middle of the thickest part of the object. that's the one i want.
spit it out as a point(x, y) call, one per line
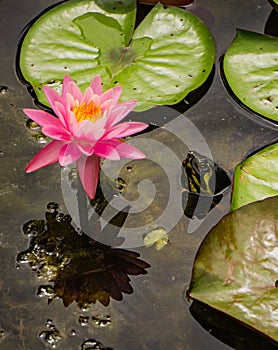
point(236, 267)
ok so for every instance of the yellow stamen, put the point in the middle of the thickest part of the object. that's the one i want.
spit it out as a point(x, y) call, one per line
point(87, 111)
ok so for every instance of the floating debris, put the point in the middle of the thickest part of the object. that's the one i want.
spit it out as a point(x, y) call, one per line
point(159, 237)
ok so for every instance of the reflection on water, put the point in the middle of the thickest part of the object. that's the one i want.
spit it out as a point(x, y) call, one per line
point(229, 330)
point(80, 268)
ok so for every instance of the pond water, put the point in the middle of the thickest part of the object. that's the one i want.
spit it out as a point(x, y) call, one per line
point(156, 315)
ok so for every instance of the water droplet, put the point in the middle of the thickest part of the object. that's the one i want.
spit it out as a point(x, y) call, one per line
point(32, 125)
point(102, 321)
point(73, 332)
point(52, 207)
point(3, 90)
point(1, 153)
point(45, 291)
point(83, 321)
point(40, 138)
point(129, 168)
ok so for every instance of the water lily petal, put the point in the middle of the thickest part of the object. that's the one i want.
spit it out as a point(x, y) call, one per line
point(125, 129)
point(106, 105)
point(70, 87)
point(86, 148)
point(62, 114)
point(88, 131)
point(74, 90)
point(56, 133)
point(112, 94)
point(69, 154)
point(42, 118)
point(66, 81)
point(52, 97)
point(88, 170)
point(106, 151)
point(127, 151)
point(96, 85)
point(117, 113)
point(48, 155)
point(88, 95)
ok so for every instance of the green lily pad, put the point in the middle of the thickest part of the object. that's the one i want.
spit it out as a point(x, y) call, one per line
point(236, 267)
point(251, 70)
point(170, 54)
point(256, 178)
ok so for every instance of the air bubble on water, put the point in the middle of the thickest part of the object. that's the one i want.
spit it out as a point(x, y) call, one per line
point(52, 207)
point(101, 321)
point(83, 321)
point(91, 344)
point(40, 138)
point(84, 306)
point(73, 332)
point(2, 334)
point(52, 336)
point(1, 153)
point(32, 125)
point(3, 90)
point(45, 291)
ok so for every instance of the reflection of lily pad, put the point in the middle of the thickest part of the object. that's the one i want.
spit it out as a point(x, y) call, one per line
point(256, 178)
point(169, 54)
point(80, 268)
point(251, 69)
point(236, 267)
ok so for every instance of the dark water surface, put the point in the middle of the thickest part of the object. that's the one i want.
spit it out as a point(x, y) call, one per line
point(156, 315)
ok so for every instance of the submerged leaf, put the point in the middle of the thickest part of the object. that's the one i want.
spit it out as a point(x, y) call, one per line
point(170, 54)
point(256, 178)
point(251, 70)
point(236, 267)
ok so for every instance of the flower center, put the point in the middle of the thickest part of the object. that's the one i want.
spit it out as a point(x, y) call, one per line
point(87, 111)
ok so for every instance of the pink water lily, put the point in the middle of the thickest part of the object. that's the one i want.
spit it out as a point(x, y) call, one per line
point(87, 129)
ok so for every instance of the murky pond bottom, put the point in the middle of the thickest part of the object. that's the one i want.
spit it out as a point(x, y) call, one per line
point(137, 293)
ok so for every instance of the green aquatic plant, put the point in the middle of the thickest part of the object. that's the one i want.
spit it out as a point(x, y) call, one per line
point(251, 70)
point(256, 177)
point(168, 55)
